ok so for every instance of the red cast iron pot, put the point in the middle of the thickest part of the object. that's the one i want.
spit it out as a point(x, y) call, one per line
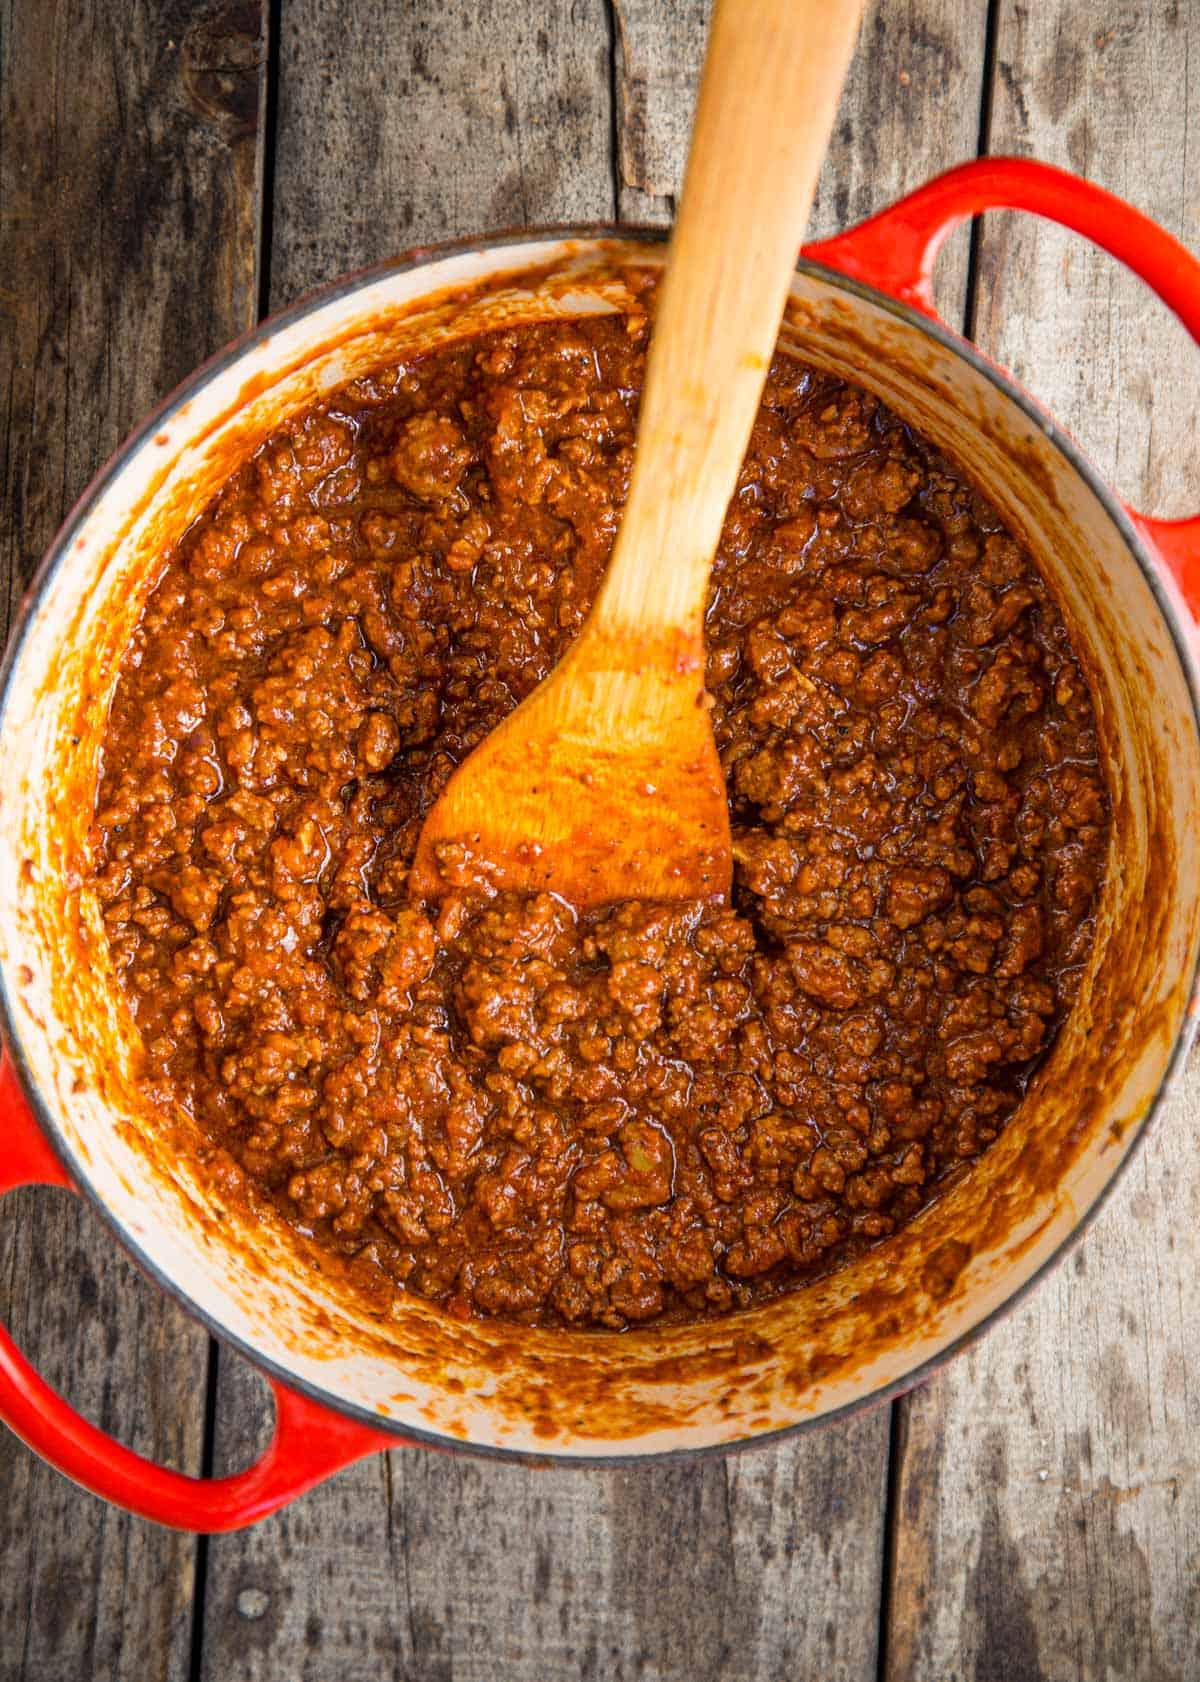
point(346, 1385)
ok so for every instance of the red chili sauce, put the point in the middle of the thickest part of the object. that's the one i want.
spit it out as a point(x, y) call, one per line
point(656, 1110)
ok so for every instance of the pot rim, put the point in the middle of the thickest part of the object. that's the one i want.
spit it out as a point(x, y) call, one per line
point(344, 286)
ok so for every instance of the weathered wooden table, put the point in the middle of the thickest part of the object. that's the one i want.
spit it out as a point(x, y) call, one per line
point(169, 170)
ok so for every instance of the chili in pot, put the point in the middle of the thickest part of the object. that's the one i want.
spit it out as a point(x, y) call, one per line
point(653, 1111)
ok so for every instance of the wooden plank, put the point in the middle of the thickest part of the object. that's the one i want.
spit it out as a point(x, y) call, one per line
point(128, 172)
point(1050, 1483)
point(657, 54)
point(442, 1566)
point(433, 121)
point(751, 1567)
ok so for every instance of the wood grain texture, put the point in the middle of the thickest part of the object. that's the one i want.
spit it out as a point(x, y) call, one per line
point(128, 171)
point(1050, 1483)
point(658, 52)
point(432, 121)
point(429, 1566)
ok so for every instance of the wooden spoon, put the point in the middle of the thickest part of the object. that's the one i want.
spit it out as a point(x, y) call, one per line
point(604, 784)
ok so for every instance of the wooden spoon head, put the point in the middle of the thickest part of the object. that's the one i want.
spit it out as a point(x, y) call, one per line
point(603, 785)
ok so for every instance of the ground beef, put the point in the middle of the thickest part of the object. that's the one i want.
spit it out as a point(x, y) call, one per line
point(509, 1107)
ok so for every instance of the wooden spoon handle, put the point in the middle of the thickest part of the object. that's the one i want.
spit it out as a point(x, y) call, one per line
point(772, 79)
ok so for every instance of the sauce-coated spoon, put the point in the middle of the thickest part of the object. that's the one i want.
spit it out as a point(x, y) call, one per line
point(604, 784)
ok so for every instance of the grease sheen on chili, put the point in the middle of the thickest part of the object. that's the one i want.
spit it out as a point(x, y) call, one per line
point(656, 1109)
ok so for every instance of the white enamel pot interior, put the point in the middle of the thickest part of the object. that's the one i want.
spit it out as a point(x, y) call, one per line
point(870, 1328)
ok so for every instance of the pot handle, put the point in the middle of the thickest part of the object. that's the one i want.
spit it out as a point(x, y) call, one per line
point(895, 252)
point(309, 1443)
